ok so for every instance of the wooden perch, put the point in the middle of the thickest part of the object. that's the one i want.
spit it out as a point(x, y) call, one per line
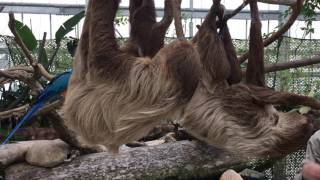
point(295, 13)
point(292, 64)
point(23, 109)
point(19, 111)
point(246, 2)
point(280, 2)
point(22, 74)
point(236, 11)
point(44, 72)
point(179, 160)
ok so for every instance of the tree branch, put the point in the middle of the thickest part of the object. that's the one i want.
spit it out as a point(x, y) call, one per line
point(12, 26)
point(295, 13)
point(20, 111)
point(179, 160)
point(280, 2)
point(14, 112)
point(236, 11)
point(16, 73)
point(245, 3)
point(21, 74)
point(32, 61)
point(292, 64)
point(44, 72)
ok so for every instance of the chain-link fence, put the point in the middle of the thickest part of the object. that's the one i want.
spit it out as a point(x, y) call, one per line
point(298, 80)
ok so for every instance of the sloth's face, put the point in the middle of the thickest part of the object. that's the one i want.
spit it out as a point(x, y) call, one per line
point(243, 127)
point(291, 131)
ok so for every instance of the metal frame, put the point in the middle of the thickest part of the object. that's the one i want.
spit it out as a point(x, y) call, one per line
point(65, 9)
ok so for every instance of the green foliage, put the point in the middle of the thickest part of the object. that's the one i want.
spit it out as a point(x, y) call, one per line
point(43, 57)
point(309, 13)
point(26, 35)
point(120, 19)
point(68, 26)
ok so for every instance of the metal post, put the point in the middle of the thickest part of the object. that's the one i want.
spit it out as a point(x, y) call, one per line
point(50, 21)
point(191, 20)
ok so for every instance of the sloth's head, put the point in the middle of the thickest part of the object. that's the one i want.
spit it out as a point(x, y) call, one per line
point(290, 132)
point(239, 123)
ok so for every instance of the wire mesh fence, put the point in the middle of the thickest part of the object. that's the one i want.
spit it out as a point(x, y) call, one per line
point(298, 80)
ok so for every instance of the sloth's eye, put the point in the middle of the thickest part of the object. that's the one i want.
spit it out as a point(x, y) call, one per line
point(275, 119)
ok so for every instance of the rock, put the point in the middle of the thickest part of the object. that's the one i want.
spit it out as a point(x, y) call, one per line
point(47, 153)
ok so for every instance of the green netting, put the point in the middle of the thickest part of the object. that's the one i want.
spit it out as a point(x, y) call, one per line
point(299, 80)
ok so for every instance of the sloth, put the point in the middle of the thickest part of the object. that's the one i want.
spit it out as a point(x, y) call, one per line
point(116, 97)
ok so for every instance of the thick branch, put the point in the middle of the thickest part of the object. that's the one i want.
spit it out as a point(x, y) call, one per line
point(23, 109)
point(280, 2)
point(236, 11)
point(44, 72)
point(180, 160)
point(295, 13)
point(245, 3)
point(21, 74)
point(19, 111)
point(292, 64)
point(12, 26)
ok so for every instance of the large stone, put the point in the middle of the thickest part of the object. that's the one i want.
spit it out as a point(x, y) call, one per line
point(47, 153)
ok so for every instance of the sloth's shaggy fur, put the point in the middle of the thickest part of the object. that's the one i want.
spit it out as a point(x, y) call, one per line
point(114, 98)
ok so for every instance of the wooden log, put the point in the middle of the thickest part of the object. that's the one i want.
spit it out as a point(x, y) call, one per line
point(179, 160)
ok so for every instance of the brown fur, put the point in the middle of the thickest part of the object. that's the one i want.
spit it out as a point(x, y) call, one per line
point(123, 97)
point(255, 71)
point(115, 98)
point(236, 73)
point(147, 35)
point(240, 118)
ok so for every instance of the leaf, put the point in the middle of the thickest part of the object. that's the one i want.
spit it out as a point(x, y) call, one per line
point(306, 109)
point(43, 57)
point(26, 35)
point(68, 26)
